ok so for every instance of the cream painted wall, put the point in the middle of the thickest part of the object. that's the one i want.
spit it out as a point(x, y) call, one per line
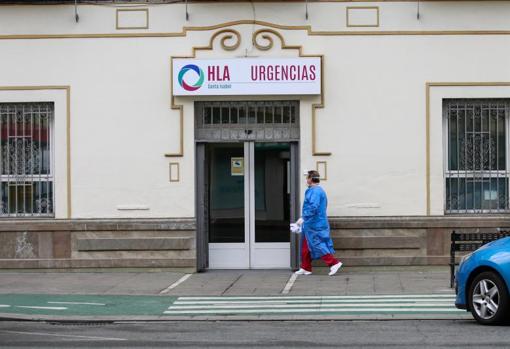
point(373, 121)
point(323, 16)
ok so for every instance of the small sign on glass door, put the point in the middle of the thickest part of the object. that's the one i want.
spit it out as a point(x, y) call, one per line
point(237, 166)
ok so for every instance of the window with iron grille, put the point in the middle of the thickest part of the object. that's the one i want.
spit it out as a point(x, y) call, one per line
point(247, 120)
point(26, 161)
point(477, 165)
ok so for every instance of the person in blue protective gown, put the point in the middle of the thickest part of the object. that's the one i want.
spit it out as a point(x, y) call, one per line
point(316, 242)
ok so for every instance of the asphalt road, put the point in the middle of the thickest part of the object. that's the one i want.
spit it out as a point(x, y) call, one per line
point(253, 334)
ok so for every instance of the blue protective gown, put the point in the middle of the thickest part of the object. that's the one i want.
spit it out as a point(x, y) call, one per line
point(316, 225)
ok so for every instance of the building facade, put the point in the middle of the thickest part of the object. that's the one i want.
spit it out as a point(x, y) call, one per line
point(176, 135)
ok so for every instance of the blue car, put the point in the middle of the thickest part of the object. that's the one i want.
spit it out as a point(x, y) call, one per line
point(482, 283)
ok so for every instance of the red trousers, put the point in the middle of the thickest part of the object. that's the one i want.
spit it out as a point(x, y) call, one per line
point(306, 257)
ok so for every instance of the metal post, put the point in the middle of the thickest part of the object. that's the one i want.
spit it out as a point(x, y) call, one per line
point(295, 248)
point(452, 258)
point(418, 10)
point(76, 16)
point(187, 14)
point(202, 208)
point(306, 9)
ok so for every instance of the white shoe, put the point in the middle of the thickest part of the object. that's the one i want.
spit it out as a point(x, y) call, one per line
point(302, 271)
point(335, 268)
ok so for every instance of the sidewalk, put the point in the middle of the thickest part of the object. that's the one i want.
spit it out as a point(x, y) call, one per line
point(150, 295)
point(354, 280)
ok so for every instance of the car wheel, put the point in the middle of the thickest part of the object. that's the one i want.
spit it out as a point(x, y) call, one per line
point(488, 298)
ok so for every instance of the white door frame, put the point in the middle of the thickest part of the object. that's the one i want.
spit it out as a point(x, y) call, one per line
point(263, 255)
point(235, 255)
point(249, 254)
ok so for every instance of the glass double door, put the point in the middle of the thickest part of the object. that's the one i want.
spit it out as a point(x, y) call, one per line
point(249, 205)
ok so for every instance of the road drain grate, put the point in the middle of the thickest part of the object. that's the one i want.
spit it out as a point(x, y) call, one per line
point(80, 323)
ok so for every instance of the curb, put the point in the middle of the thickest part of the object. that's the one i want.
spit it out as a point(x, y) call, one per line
point(166, 318)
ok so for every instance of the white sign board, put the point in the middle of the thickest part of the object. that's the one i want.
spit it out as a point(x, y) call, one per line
point(246, 76)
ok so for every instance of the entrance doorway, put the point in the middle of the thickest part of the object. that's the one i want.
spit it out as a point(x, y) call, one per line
point(247, 188)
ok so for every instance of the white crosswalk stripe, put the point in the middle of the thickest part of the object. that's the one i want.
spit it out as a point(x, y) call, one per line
point(280, 305)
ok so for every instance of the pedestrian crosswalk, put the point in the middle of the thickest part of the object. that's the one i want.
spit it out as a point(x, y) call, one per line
point(333, 305)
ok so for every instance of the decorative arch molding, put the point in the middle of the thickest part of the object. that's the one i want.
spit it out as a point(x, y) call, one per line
point(267, 34)
point(230, 40)
point(307, 28)
point(228, 35)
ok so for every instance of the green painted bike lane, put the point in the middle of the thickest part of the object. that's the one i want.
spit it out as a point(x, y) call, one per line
point(84, 305)
point(162, 307)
